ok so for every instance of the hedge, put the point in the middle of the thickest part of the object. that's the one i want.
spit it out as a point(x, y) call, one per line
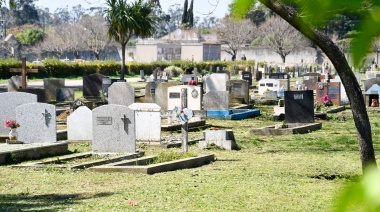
point(58, 69)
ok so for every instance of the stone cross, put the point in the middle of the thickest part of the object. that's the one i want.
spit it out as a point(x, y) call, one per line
point(23, 71)
point(126, 121)
point(47, 117)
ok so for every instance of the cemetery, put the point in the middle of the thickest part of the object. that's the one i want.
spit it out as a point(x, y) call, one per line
point(136, 122)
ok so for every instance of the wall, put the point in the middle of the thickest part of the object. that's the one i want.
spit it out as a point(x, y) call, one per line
point(192, 51)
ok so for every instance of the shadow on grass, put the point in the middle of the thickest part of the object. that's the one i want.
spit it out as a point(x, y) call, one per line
point(46, 202)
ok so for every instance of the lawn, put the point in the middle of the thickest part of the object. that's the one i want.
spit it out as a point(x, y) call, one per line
point(268, 173)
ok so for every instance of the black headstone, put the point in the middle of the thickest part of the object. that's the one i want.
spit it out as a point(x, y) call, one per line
point(299, 107)
point(246, 75)
point(65, 94)
point(41, 95)
point(92, 85)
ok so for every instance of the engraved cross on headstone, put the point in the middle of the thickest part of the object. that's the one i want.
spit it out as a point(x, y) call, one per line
point(47, 117)
point(23, 71)
point(126, 121)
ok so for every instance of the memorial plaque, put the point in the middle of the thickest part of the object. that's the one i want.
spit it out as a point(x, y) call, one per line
point(104, 120)
point(175, 95)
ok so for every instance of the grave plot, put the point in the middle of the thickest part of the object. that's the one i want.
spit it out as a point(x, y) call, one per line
point(299, 115)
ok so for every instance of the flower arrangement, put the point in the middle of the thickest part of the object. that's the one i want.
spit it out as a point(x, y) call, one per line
point(11, 124)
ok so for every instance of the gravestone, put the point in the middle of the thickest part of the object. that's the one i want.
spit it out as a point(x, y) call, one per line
point(299, 107)
point(50, 86)
point(225, 72)
point(37, 91)
point(369, 82)
point(310, 80)
point(216, 100)
point(107, 82)
point(113, 129)
point(187, 77)
point(14, 83)
point(271, 95)
point(194, 97)
point(343, 94)
point(239, 91)
point(65, 94)
point(246, 75)
point(37, 123)
point(161, 95)
point(268, 85)
point(150, 91)
point(92, 85)
point(147, 113)
point(222, 138)
point(370, 74)
point(331, 89)
point(216, 82)
point(121, 93)
point(79, 125)
point(8, 103)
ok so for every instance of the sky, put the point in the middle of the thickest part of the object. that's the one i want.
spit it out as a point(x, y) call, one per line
point(201, 7)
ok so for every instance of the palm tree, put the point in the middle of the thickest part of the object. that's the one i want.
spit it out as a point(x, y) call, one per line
point(126, 20)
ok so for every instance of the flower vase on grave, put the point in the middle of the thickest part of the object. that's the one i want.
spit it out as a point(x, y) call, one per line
point(13, 135)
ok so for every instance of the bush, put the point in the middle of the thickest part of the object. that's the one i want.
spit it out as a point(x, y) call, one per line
point(174, 71)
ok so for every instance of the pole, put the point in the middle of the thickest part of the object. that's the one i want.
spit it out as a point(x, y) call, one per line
point(184, 127)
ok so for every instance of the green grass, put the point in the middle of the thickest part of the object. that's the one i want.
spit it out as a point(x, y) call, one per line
point(269, 173)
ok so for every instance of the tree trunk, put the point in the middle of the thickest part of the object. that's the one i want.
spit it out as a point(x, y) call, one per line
point(354, 93)
point(122, 72)
point(283, 57)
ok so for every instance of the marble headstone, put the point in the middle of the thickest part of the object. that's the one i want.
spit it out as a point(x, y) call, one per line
point(216, 82)
point(113, 129)
point(216, 100)
point(8, 103)
point(37, 123)
point(64, 94)
point(147, 113)
point(50, 86)
point(161, 94)
point(150, 91)
point(121, 93)
point(92, 85)
point(239, 91)
point(299, 107)
point(194, 97)
point(79, 125)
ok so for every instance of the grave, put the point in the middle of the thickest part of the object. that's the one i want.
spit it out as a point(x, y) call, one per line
point(373, 93)
point(107, 82)
point(287, 129)
point(216, 100)
point(222, 138)
point(343, 94)
point(50, 86)
point(331, 89)
point(14, 83)
point(161, 94)
point(65, 94)
point(299, 107)
point(92, 85)
point(194, 97)
point(113, 129)
point(37, 123)
point(39, 92)
point(246, 75)
point(268, 85)
point(79, 125)
point(224, 72)
point(233, 114)
point(121, 93)
point(8, 103)
point(150, 91)
point(238, 91)
point(310, 80)
point(216, 82)
point(369, 82)
point(147, 113)
point(23, 71)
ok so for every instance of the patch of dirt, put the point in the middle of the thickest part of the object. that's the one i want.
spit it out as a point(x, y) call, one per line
point(64, 115)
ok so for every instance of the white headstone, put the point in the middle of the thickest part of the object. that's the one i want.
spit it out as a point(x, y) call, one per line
point(37, 123)
point(194, 96)
point(216, 82)
point(8, 103)
point(148, 121)
point(79, 125)
point(113, 129)
point(268, 85)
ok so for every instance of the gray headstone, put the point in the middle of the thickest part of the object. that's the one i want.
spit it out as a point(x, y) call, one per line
point(107, 82)
point(121, 93)
point(239, 91)
point(50, 86)
point(150, 91)
point(161, 95)
point(65, 94)
point(8, 103)
point(79, 125)
point(37, 123)
point(299, 107)
point(216, 82)
point(113, 129)
point(92, 85)
point(15, 83)
point(216, 100)
point(369, 82)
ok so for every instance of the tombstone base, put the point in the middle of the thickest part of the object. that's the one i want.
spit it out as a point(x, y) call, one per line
point(289, 129)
